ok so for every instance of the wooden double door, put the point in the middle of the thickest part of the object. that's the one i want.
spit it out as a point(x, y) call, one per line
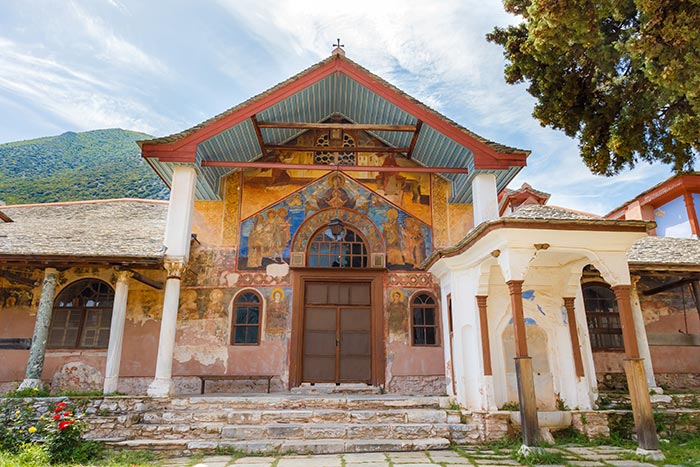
point(337, 343)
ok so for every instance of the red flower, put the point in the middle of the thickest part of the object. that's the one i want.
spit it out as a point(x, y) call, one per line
point(67, 414)
point(57, 417)
point(64, 425)
point(60, 404)
point(58, 409)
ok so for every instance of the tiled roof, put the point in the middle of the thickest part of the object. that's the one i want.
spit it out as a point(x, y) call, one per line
point(124, 228)
point(178, 136)
point(334, 86)
point(536, 211)
point(666, 250)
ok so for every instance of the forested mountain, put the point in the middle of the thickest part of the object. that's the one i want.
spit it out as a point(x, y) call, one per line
point(97, 164)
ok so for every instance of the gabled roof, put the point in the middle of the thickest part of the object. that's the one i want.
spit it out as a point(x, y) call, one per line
point(121, 231)
point(335, 85)
point(661, 193)
point(523, 195)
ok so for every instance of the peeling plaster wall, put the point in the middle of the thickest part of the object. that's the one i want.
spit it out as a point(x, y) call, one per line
point(214, 278)
point(664, 314)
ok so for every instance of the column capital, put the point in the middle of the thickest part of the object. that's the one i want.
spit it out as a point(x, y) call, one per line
point(569, 302)
point(174, 269)
point(622, 292)
point(51, 274)
point(481, 301)
point(515, 286)
point(123, 275)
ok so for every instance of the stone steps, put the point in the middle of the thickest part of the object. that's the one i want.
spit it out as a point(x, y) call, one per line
point(677, 401)
point(252, 417)
point(276, 446)
point(279, 423)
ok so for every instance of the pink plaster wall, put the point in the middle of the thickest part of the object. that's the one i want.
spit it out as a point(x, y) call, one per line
point(405, 360)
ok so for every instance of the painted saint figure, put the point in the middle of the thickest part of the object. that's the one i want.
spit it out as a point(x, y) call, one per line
point(398, 317)
point(392, 237)
point(413, 243)
point(189, 309)
point(256, 240)
point(277, 312)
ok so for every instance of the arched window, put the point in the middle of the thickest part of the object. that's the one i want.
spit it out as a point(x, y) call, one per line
point(82, 314)
point(602, 316)
point(424, 328)
point(337, 246)
point(247, 311)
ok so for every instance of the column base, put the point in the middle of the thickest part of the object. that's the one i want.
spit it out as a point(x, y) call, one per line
point(161, 388)
point(30, 383)
point(110, 385)
point(527, 451)
point(651, 455)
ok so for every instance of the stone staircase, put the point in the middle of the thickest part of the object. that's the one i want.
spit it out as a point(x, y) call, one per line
point(326, 423)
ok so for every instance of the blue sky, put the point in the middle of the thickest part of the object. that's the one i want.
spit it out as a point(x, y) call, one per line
point(163, 66)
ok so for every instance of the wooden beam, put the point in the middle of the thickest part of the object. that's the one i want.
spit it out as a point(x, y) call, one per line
point(669, 286)
point(342, 168)
point(414, 140)
point(258, 134)
point(17, 279)
point(381, 149)
point(144, 279)
point(15, 343)
point(342, 126)
point(678, 339)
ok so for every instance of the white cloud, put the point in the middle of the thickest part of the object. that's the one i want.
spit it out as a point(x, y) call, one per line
point(79, 98)
point(112, 48)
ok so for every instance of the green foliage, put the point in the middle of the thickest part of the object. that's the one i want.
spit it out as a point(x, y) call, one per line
point(539, 456)
point(28, 392)
point(33, 455)
point(19, 425)
point(686, 453)
point(621, 75)
point(55, 428)
point(511, 406)
point(96, 164)
point(29, 455)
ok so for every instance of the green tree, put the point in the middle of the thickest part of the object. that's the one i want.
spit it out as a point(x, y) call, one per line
point(623, 76)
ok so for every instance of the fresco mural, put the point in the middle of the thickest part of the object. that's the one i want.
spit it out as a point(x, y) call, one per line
point(277, 312)
point(210, 267)
point(266, 235)
point(408, 190)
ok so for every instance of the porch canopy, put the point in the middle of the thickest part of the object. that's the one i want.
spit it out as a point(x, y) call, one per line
point(340, 90)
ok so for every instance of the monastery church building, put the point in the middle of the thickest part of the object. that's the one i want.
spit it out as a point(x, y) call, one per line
point(329, 232)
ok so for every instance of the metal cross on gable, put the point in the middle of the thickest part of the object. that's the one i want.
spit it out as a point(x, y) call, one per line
point(338, 45)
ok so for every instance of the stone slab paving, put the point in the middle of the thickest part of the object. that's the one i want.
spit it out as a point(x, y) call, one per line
point(572, 456)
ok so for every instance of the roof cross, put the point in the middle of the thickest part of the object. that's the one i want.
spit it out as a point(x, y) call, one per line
point(338, 48)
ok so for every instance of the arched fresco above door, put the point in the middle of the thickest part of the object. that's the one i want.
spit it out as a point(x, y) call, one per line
point(274, 233)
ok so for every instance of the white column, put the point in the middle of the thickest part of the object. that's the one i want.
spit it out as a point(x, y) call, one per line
point(178, 235)
point(485, 198)
point(116, 332)
point(162, 385)
point(178, 228)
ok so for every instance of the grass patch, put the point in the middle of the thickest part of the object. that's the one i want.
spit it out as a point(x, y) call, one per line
point(686, 453)
point(32, 455)
point(540, 456)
